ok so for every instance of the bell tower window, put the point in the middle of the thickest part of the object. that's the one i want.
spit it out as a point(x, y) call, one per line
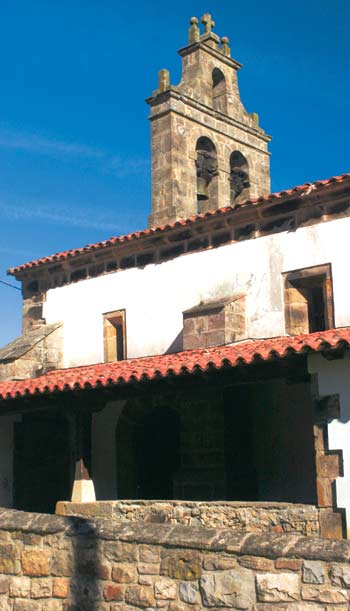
point(206, 169)
point(219, 91)
point(239, 174)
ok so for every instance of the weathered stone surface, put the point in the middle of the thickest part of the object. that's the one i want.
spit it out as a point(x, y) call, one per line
point(238, 516)
point(149, 554)
point(188, 592)
point(25, 605)
point(20, 587)
point(183, 564)
point(148, 569)
point(228, 589)
point(216, 563)
point(291, 564)
point(256, 563)
point(120, 552)
point(113, 591)
point(325, 594)
point(4, 584)
point(313, 572)
point(36, 562)
point(165, 588)
point(63, 563)
point(277, 587)
point(8, 556)
point(60, 588)
point(41, 588)
point(140, 596)
point(340, 576)
point(124, 573)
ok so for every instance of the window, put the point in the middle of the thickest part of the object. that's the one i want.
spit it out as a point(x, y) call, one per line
point(114, 337)
point(207, 172)
point(219, 91)
point(239, 174)
point(308, 300)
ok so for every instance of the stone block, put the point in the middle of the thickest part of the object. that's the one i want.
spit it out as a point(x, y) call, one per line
point(63, 563)
point(140, 596)
point(25, 605)
point(340, 575)
point(149, 554)
point(165, 589)
point(184, 565)
point(277, 587)
point(36, 562)
point(217, 563)
point(148, 569)
point(124, 573)
point(113, 591)
point(41, 588)
point(290, 564)
point(60, 588)
point(313, 572)
point(331, 525)
point(20, 587)
point(8, 559)
point(325, 594)
point(120, 552)
point(188, 592)
point(256, 563)
point(228, 589)
point(4, 584)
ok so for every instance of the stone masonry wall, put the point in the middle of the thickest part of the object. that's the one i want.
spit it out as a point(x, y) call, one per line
point(50, 563)
point(239, 516)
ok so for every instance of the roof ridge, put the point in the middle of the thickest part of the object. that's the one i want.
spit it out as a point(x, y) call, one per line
point(66, 254)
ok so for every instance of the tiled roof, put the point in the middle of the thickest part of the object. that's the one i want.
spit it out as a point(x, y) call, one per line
point(68, 254)
point(169, 365)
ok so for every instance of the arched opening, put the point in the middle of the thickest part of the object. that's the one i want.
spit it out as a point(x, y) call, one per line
point(239, 174)
point(219, 91)
point(148, 452)
point(207, 169)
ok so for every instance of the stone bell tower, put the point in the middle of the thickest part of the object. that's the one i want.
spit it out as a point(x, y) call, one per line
point(207, 151)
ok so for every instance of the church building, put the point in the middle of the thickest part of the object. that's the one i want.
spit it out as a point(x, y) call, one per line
point(204, 359)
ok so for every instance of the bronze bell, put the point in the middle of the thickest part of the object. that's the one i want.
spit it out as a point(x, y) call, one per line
point(202, 192)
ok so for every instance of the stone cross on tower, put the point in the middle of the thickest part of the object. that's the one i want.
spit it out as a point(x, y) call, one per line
point(208, 23)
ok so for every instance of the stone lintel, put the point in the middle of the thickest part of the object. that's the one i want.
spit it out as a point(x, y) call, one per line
point(217, 53)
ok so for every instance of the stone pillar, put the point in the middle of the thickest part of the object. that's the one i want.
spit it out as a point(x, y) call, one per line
point(83, 486)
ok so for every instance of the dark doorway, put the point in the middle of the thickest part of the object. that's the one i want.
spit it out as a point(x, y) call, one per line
point(42, 462)
point(147, 444)
point(158, 456)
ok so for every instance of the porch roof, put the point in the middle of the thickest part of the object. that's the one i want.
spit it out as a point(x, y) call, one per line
point(169, 365)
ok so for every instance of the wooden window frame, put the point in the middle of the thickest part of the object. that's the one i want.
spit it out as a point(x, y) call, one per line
point(296, 305)
point(111, 321)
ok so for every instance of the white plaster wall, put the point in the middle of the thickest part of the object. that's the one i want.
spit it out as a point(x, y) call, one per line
point(6, 460)
point(334, 378)
point(154, 297)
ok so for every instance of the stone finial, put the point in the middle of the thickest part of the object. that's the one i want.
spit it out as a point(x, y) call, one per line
point(163, 80)
point(255, 118)
point(193, 32)
point(225, 46)
point(208, 23)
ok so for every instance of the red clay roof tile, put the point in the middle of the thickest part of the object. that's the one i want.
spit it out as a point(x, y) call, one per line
point(68, 254)
point(190, 361)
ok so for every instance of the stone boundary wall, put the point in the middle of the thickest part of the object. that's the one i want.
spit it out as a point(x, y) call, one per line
point(52, 563)
point(248, 517)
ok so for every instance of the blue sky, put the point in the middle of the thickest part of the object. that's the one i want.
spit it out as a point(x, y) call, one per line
point(74, 135)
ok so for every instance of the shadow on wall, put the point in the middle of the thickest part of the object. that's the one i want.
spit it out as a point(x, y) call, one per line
point(177, 344)
point(85, 566)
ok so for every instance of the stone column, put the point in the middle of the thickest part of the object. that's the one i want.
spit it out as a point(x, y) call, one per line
point(83, 486)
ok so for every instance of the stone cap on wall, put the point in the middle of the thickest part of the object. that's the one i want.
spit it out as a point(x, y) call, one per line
point(268, 545)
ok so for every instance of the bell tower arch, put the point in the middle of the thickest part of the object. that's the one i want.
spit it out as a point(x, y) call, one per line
point(204, 108)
